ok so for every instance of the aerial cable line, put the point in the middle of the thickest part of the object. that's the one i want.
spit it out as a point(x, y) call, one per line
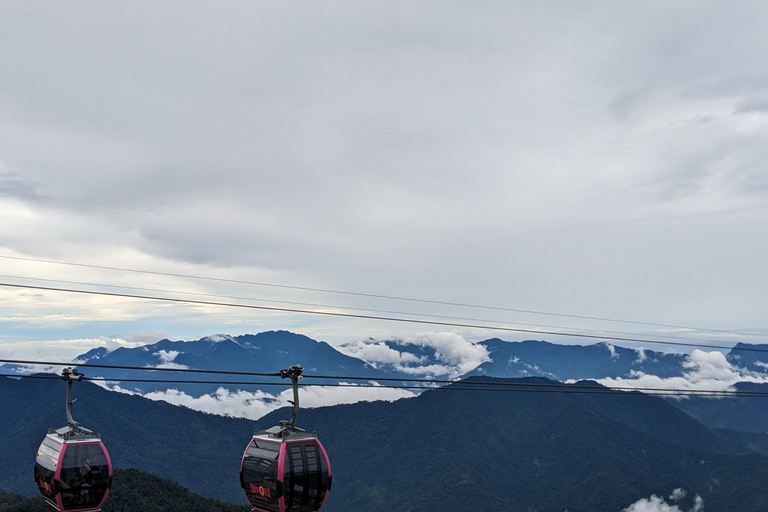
point(466, 385)
point(139, 368)
point(373, 317)
point(345, 377)
point(375, 295)
point(476, 386)
point(330, 306)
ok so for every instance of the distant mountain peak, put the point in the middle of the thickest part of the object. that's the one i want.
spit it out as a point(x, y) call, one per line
point(92, 355)
point(218, 338)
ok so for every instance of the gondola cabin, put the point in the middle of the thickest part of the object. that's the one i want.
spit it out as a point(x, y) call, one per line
point(74, 474)
point(285, 472)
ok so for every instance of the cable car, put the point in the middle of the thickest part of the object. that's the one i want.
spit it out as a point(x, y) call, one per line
point(73, 470)
point(285, 469)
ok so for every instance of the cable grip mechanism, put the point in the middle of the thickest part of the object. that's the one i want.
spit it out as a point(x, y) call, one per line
point(295, 374)
point(70, 375)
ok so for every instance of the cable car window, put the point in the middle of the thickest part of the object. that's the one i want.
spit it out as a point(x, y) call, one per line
point(47, 457)
point(260, 474)
point(306, 477)
point(84, 476)
point(53, 445)
point(45, 468)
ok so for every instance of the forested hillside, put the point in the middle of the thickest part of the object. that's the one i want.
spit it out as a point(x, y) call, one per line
point(134, 491)
point(445, 451)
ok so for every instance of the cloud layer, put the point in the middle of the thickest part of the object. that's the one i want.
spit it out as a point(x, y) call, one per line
point(606, 160)
point(658, 504)
point(254, 405)
point(439, 354)
point(704, 371)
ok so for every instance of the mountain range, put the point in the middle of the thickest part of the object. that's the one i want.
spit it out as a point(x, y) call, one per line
point(269, 352)
point(446, 450)
point(564, 362)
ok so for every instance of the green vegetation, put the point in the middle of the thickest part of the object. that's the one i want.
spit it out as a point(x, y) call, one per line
point(444, 451)
point(134, 491)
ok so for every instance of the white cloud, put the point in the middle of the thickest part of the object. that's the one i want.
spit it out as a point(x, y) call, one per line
point(254, 405)
point(698, 505)
point(457, 355)
point(657, 504)
point(678, 494)
point(29, 369)
point(239, 404)
point(434, 370)
point(60, 349)
point(167, 356)
point(115, 343)
point(166, 359)
point(147, 337)
point(453, 349)
point(704, 371)
point(218, 338)
point(321, 396)
point(376, 352)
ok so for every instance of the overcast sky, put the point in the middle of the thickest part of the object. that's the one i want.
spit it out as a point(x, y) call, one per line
point(601, 158)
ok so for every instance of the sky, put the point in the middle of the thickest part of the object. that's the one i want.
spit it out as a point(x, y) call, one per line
point(597, 159)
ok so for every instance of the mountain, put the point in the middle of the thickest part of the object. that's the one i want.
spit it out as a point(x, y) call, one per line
point(564, 362)
point(445, 450)
point(267, 352)
point(520, 359)
point(449, 451)
point(602, 360)
point(133, 491)
point(746, 413)
point(749, 356)
point(271, 351)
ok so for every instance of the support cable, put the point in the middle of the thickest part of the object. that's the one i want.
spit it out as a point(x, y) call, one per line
point(374, 317)
point(350, 308)
point(372, 383)
point(376, 296)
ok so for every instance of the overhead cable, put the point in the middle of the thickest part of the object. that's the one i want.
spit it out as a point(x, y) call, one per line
point(477, 386)
point(375, 380)
point(374, 317)
point(337, 307)
point(374, 295)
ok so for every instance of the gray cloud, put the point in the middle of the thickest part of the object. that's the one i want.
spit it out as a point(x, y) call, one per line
point(518, 154)
point(16, 186)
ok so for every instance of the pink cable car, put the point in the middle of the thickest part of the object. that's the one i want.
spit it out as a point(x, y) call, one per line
point(72, 470)
point(283, 468)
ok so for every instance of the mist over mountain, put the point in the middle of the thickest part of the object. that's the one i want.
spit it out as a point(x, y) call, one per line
point(750, 356)
point(267, 352)
point(434, 355)
point(564, 362)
